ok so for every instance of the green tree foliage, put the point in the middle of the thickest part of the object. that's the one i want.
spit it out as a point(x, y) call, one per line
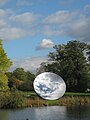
point(4, 65)
point(70, 63)
point(14, 82)
point(11, 100)
point(28, 84)
point(30, 76)
point(20, 79)
point(42, 68)
point(88, 52)
point(20, 74)
point(3, 82)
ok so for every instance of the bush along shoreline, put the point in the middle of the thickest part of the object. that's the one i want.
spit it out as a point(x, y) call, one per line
point(64, 101)
point(11, 100)
point(15, 100)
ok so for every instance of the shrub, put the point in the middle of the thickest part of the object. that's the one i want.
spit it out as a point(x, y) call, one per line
point(11, 100)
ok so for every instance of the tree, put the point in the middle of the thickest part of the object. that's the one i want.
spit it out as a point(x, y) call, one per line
point(14, 82)
point(28, 84)
point(88, 52)
point(41, 69)
point(20, 74)
point(3, 83)
point(4, 65)
point(30, 76)
point(20, 79)
point(70, 63)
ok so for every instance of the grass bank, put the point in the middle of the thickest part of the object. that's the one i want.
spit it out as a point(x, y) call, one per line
point(31, 99)
point(32, 93)
point(68, 99)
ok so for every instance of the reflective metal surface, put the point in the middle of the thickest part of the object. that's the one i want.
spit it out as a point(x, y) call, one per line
point(49, 86)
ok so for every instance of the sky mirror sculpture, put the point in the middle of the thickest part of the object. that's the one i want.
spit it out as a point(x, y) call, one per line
point(49, 86)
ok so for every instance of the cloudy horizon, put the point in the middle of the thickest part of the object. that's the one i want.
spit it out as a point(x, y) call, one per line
point(30, 28)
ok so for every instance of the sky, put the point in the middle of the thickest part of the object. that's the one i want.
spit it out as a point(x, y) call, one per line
point(30, 28)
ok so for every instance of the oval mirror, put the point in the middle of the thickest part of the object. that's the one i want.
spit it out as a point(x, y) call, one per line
point(49, 86)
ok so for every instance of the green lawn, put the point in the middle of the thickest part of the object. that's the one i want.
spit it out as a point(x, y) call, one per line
point(32, 93)
point(69, 98)
point(76, 94)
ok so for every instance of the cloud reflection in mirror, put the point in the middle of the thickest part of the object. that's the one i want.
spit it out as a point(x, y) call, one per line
point(49, 86)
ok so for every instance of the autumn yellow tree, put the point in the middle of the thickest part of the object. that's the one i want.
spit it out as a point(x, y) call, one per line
point(5, 63)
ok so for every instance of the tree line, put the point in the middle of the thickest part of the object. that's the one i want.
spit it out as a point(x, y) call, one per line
point(20, 80)
point(70, 61)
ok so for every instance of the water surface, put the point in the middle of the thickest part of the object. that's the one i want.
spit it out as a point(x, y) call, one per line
point(47, 113)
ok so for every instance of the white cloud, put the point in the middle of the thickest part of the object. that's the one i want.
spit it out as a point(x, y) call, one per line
point(49, 30)
point(58, 23)
point(2, 24)
point(16, 26)
point(45, 43)
point(75, 24)
point(2, 2)
point(60, 17)
point(87, 8)
point(29, 64)
point(26, 18)
point(2, 13)
point(11, 33)
point(80, 29)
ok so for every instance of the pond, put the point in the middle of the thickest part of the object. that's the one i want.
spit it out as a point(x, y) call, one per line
point(47, 113)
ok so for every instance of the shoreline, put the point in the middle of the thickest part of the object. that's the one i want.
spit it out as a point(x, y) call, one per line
point(64, 101)
point(31, 99)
